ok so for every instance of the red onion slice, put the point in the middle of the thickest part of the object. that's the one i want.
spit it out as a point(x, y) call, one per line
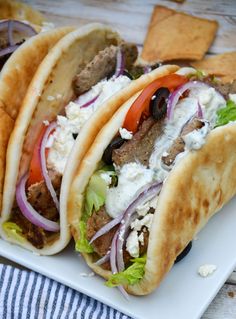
point(43, 161)
point(9, 32)
point(113, 254)
point(9, 50)
point(22, 27)
point(3, 25)
point(113, 263)
point(103, 259)
point(14, 25)
point(105, 229)
point(86, 104)
point(147, 69)
point(175, 96)
point(29, 212)
point(144, 195)
point(89, 102)
point(120, 63)
point(199, 111)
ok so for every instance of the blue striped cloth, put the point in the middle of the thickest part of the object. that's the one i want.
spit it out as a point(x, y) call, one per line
point(28, 295)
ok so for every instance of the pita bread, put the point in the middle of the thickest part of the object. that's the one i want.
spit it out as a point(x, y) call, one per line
point(6, 126)
point(221, 65)
point(170, 32)
point(19, 69)
point(200, 185)
point(53, 78)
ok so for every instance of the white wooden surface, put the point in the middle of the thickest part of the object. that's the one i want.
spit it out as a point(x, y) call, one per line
point(130, 18)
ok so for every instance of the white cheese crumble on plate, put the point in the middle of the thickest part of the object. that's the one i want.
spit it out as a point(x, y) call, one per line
point(84, 274)
point(206, 270)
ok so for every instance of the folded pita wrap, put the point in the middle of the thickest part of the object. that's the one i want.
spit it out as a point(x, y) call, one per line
point(43, 137)
point(131, 221)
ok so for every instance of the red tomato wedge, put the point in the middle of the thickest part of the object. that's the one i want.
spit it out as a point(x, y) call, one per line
point(141, 104)
point(35, 173)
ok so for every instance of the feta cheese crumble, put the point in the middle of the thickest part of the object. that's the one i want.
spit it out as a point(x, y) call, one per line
point(133, 240)
point(125, 134)
point(84, 274)
point(206, 270)
point(132, 244)
point(46, 122)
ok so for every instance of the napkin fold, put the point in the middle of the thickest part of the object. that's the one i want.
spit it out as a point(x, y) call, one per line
point(29, 295)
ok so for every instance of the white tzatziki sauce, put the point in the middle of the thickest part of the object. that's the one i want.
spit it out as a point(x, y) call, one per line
point(196, 139)
point(186, 108)
point(62, 140)
point(132, 177)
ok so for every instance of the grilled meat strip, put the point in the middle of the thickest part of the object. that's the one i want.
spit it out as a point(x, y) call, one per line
point(103, 65)
point(140, 147)
point(99, 219)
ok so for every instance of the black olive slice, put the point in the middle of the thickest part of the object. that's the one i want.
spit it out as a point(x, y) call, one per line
point(155, 66)
point(115, 143)
point(158, 105)
point(184, 252)
point(74, 135)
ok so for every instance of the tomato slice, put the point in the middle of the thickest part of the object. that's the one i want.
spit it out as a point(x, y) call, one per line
point(35, 173)
point(141, 104)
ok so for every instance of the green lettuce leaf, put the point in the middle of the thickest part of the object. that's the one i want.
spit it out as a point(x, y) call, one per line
point(130, 275)
point(226, 114)
point(13, 231)
point(82, 245)
point(95, 194)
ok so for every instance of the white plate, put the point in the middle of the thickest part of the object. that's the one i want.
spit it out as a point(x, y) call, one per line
point(183, 294)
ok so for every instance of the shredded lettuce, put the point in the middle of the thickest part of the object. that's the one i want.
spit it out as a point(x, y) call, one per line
point(13, 231)
point(226, 114)
point(95, 194)
point(131, 275)
point(82, 245)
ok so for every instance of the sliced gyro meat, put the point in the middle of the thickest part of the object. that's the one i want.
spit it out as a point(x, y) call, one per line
point(103, 65)
point(98, 219)
point(140, 147)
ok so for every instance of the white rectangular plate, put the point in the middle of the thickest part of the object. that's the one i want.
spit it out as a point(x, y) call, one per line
point(183, 294)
